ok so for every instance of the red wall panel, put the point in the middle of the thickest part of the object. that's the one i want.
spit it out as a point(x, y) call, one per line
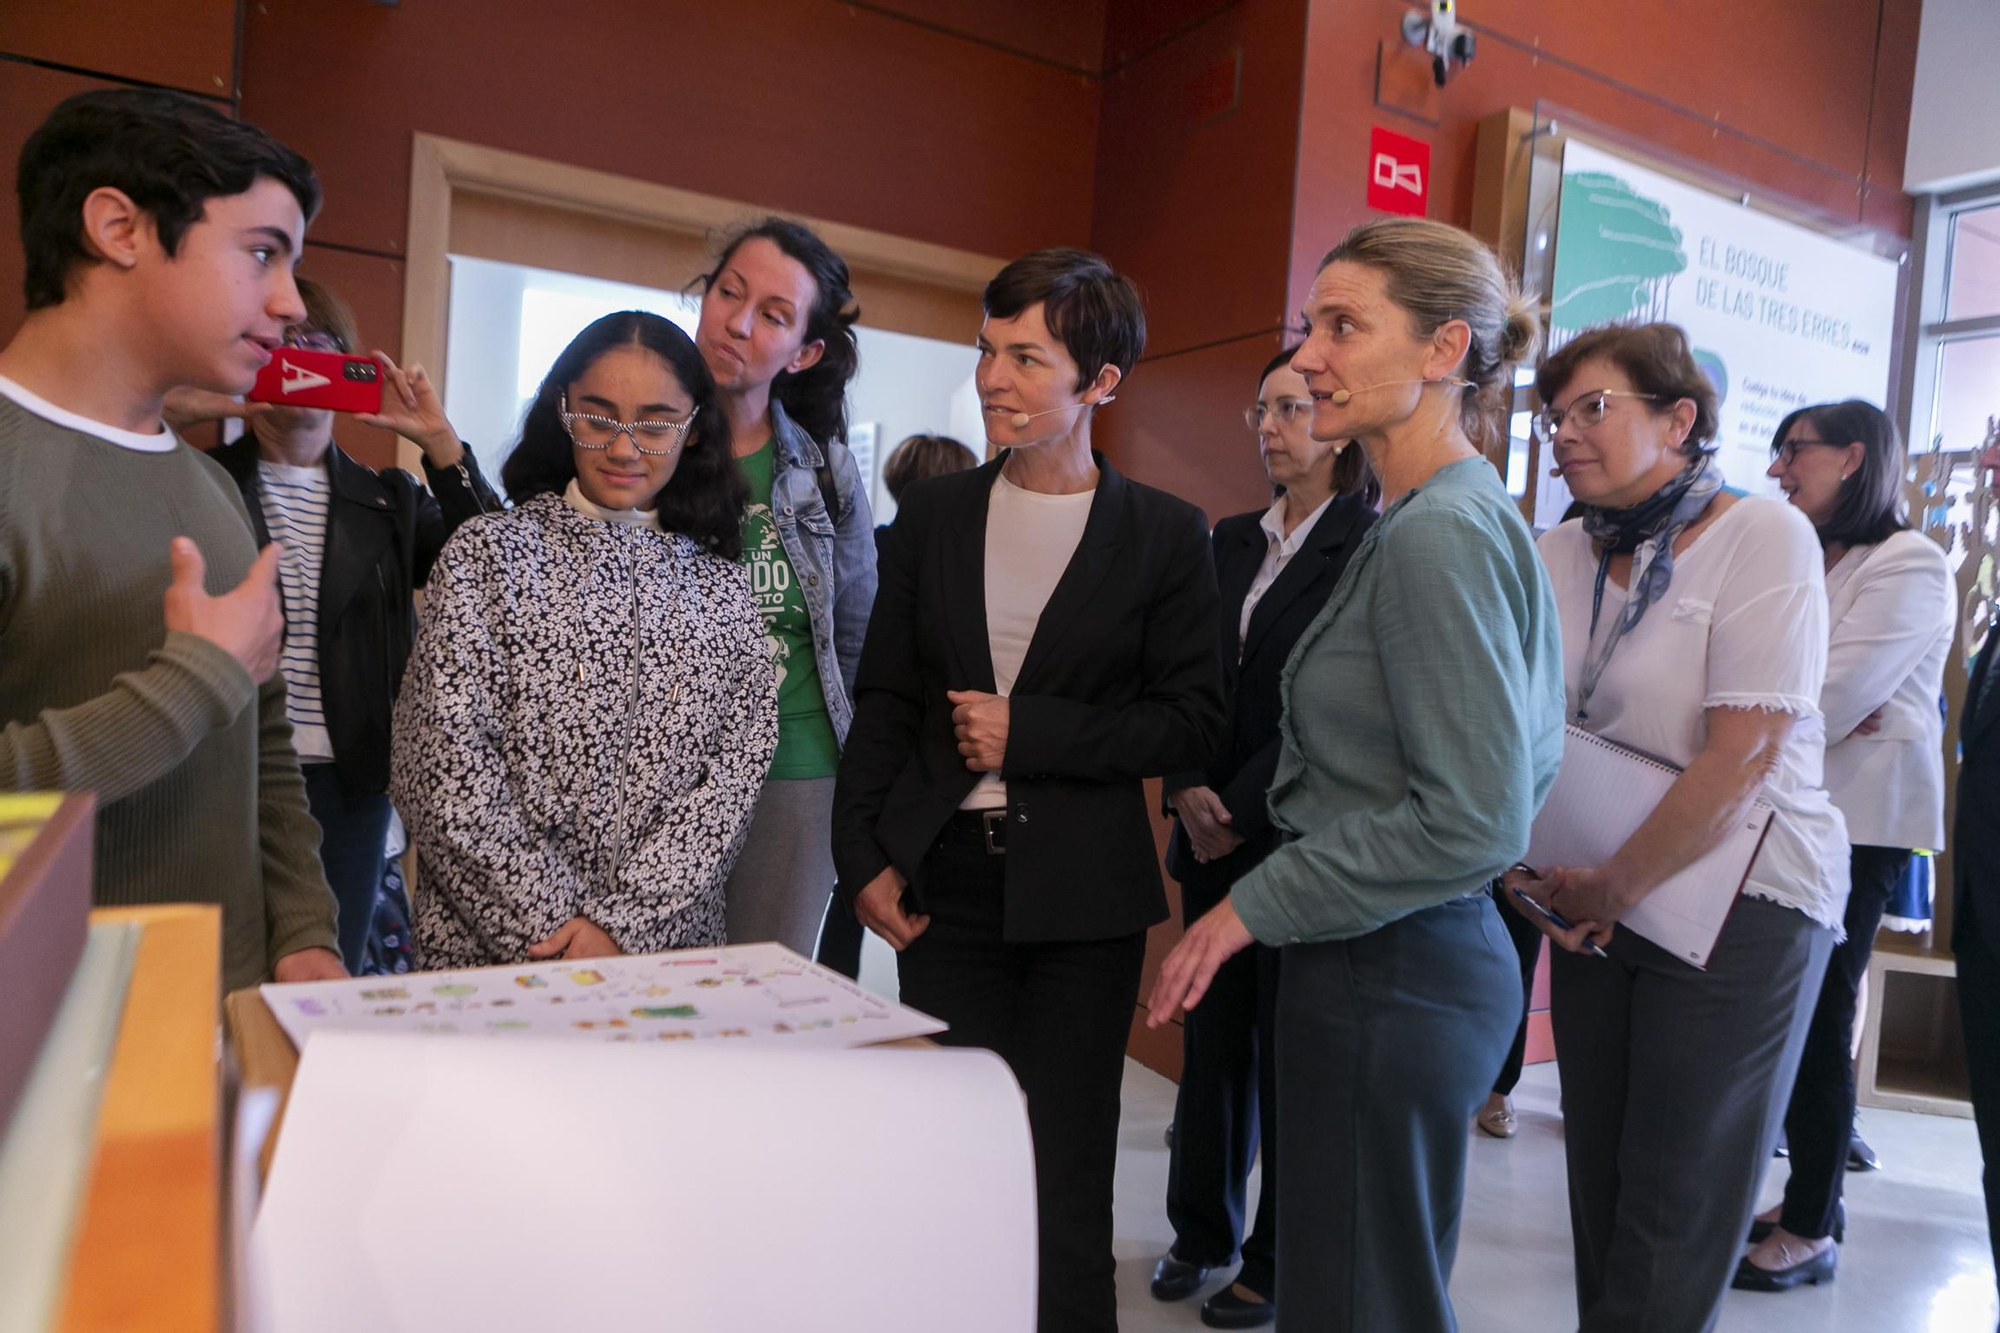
point(799, 105)
point(1193, 197)
point(1069, 34)
point(1134, 27)
point(187, 44)
point(1808, 104)
point(27, 95)
point(1797, 75)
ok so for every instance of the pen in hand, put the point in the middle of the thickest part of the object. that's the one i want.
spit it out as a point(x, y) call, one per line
point(1557, 920)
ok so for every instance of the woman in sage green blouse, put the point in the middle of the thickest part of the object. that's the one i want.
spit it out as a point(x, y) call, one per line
point(1423, 726)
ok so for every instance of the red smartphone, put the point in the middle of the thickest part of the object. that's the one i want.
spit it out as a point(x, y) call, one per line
point(300, 377)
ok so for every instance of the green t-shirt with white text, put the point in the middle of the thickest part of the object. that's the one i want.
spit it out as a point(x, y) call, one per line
point(807, 747)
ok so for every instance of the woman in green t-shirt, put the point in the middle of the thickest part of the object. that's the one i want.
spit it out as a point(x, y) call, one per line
point(777, 332)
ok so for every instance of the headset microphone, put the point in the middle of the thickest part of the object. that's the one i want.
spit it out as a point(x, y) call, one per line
point(1020, 420)
point(1341, 397)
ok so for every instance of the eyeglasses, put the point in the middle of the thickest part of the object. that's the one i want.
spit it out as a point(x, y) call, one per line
point(1286, 410)
point(1584, 412)
point(314, 340)
point(1788, 452)
point(656, 437)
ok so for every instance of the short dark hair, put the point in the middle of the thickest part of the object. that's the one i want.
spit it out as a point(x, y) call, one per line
point(1351, 472)
point(1871, 507)
point(921, 457)
point(816, 397)
point(705, 497)
point(1658, 361)
point(1093, 309)
point(171, 153)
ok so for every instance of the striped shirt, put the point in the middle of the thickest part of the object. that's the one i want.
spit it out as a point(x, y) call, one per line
point(295, 504)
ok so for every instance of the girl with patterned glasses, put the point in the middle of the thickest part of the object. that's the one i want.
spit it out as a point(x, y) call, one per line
point(777, 332)
point(1694, 628)
point(590, 710)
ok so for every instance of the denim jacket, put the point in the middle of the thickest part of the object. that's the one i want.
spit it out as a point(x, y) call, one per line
point(835, 565)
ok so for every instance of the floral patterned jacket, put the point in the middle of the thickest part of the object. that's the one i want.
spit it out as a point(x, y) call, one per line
point(586, 721)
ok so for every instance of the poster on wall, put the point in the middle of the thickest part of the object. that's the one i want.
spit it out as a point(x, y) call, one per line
point(1780, 316)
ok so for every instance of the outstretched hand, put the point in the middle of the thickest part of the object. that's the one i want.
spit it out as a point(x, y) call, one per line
point(1190, 969)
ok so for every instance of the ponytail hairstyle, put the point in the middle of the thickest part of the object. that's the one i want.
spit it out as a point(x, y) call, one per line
point(1437, 273)
point(816, 397)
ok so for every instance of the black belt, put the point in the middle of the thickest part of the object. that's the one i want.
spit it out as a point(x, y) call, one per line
point(984, 829)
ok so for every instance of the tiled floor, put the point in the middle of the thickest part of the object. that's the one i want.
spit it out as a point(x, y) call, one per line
point(1916, 1258)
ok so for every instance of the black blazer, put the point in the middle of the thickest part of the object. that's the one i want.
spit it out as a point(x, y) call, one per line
point(1241, 770)
point(383, 534)
point(1120, 683)
point(1975, 836)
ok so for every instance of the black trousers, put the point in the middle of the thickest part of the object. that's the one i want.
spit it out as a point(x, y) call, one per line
point(1527, 939)
point(1820, 1120)
point(1058, 1012)
point(1979, 1011)
point(840, 939)
point(1226, 1109)
point(354, 834)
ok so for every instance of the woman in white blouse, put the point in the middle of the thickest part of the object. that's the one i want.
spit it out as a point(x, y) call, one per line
point(1890, 595)
point(1694, 628)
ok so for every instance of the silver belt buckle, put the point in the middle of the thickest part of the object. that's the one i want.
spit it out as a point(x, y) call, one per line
point(988, 819)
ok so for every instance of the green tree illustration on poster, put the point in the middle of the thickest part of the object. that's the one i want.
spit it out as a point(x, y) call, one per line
point(1618, 255)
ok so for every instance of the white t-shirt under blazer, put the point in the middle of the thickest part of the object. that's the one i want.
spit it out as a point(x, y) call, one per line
point(1743, 625)
point(1030, 540)
point(1891, 606)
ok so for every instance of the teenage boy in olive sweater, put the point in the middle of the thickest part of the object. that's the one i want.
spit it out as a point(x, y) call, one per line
point(139, 626)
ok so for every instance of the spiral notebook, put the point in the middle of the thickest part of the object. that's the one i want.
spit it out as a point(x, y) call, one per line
point(1602, 794)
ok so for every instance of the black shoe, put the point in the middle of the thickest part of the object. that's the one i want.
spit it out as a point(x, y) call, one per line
point(1808, 1272)
point(1861, 1157)
point(1784, 1148)
point(1226, 1309)
point(1760, 1229)
point(1175, 1279)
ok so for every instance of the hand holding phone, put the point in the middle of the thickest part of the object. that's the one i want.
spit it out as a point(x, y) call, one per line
point(302, 377)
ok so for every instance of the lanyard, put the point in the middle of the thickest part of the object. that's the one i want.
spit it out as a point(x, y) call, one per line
point(1593, 667)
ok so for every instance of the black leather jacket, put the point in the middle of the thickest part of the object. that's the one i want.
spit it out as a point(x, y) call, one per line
point(383, 534)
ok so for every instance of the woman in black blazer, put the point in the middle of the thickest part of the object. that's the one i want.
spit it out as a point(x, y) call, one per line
point(1275, 568)
point(1041, 643)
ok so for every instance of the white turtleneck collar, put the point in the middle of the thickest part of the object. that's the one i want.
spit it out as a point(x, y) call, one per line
point(574, 497)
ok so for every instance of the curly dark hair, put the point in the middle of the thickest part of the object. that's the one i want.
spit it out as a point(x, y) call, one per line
point(704, 499)
point(816, 397)
point(171, 153)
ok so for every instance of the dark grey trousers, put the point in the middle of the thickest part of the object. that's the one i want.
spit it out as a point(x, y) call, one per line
point(1387, 1046)
point(1674, 1082)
